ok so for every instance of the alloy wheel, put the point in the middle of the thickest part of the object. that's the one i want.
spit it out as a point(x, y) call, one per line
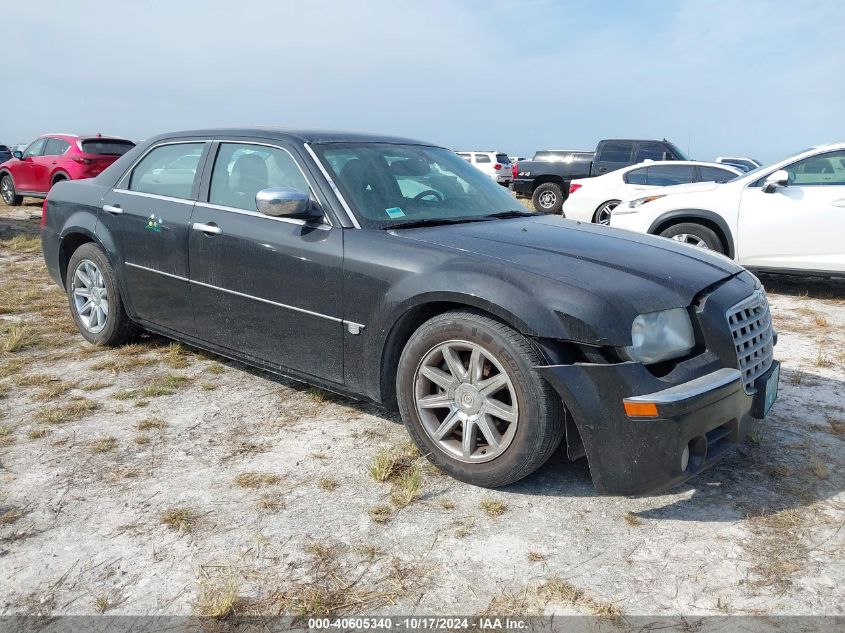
point(466, 401)
point(692, 240)
point(90, 296)
point(605, 211)
point(6, 190)
point(547, 199)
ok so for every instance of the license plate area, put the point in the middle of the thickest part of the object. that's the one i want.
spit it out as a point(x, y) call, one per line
point(767, 391)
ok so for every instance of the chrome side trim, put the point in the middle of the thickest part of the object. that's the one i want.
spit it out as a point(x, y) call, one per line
point(693, 388)
point(246, 296)
point(332, 184)
point(220, 207)
point(158, 272)
point(154, 196)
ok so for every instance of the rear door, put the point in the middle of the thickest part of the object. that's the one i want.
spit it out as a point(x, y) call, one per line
point(614, 155)
point(53, 151)
point(148, 214)
point(267, 287)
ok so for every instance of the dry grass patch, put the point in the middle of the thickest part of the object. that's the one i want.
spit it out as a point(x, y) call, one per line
point(381, 513)
point(16, 337)
point(11, 367)
point(180, 519)
point(148, 424)
point(70, 411)
point(104, 445)
point(536, 557)
point(10, 515)
point(391, 463)
point(271, 502)
point(318, 395)
point(407, 486)
point(96, 386)
point(632, 519)
point(823, 361)
point(175, 356)
point(558, 590)
point(37, 434)
point(819, 468)
point(446, 504)
point(35, 380)
point(837, 426)
point(215, 368)
point(54, 390)
point(165, 385)
point(328, 484)
point(217, 598)
point(492, 507)
point(252, 479)
point(122, 363)
point(22, 244)
point(6, 437)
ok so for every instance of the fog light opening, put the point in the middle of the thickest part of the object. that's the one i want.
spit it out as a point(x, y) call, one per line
point(694, 454)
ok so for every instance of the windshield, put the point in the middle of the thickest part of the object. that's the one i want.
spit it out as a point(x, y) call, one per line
point(391, 185)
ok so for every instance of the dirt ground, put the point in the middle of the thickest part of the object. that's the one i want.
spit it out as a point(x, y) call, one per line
point(158, 479)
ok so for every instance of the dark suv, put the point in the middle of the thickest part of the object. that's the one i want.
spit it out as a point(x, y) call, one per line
point(393, 271)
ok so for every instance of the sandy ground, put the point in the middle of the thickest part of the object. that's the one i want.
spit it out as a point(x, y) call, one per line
point(157, 479)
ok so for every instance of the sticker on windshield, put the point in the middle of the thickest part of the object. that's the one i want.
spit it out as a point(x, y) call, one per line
point(394, 212)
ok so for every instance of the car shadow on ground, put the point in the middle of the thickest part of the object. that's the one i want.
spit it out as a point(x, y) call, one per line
point(807, 287)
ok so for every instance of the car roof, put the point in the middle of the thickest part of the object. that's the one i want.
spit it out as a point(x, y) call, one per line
point(700, 163)
point(294, 135)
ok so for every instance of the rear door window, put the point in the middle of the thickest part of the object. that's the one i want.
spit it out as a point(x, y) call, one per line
point(55, 147)
point(637, 176)
point(168, 170)
point(616, 153)
point(714, 174)
point(242, 170)
point(482, 158)
point(107, 147)
point(667, 175)
point(650, 151)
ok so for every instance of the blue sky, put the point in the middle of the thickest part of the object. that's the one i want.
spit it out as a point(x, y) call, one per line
point(750, 78)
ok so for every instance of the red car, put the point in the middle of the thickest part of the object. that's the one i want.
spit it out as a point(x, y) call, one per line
point(55, 157)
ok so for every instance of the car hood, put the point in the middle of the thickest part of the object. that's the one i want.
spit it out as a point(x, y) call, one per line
point(621, 268)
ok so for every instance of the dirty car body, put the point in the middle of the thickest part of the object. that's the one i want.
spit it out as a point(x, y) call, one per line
point(335, 296)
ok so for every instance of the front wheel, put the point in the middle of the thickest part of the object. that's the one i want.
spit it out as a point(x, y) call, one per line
point(472, 402)
point(95, 301)
point(695, 234)
point(7, 191)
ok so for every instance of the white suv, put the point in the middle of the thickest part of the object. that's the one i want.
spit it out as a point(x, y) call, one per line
point(497, 165)
point(789, 216)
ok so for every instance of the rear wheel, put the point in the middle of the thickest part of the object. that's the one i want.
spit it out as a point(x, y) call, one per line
point(7, 191)
point(695, 234)
point(548, 198)
point(603, 213)
point(472, 401)
point(95, 301)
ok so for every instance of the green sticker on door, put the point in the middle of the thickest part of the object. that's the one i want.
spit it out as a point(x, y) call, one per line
point(394, 213)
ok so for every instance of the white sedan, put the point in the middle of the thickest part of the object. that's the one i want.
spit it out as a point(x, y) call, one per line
point(786, 217)
point(593, 199)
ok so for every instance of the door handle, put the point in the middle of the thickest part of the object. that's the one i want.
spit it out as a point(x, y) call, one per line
point(113, 209)
point(208, 229)
point(839, 203)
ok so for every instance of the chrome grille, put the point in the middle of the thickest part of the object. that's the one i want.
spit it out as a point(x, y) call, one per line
point(751, 326)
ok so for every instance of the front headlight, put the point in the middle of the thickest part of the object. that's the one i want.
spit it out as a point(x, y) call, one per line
point(658, 336)
point(634, 205)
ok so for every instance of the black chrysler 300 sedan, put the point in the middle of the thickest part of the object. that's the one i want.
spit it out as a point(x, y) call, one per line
point(391, 270)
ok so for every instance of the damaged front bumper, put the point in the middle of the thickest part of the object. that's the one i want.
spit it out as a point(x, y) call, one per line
point(697, 422)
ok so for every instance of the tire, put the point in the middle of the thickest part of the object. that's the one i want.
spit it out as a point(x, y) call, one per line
point(548, 198)
point(7, 190)
point(602, 215)
point(524, 444)
point(109, 326)
point(695, 234)
point(58, 179)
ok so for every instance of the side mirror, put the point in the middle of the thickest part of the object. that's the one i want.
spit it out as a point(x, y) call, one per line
point(18, 154)
point(284, 202)
point(780, 178)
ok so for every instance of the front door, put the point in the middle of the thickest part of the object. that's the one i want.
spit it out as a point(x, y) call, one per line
point(148, 216)
point(263, 286)
point(799, 226)
point(24, 171)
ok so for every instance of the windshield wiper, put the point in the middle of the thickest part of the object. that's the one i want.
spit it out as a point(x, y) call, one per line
point(504, 215)
point(437, 221)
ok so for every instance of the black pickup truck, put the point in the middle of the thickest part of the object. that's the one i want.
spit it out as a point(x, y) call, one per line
point(546, 178)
